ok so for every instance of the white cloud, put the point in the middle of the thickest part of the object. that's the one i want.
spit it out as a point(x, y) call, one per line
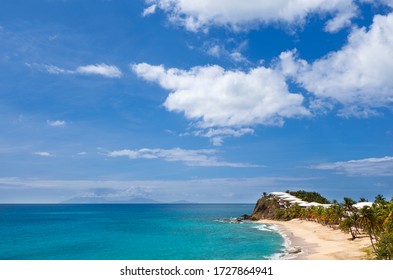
point(383, 2)
point(233, 53)
point(237, 57)
point(205, 158)
point(108, 71)
point(43, 154)
point(56, 70)
point(56, 123)
point(149, 10)
point(217, 135)
point(363, 167)
point(214, 50)
point(200, 15)
point(216, 97)
point(341, 20)
point(102, 69)
point(53, 37)
point(359, 76)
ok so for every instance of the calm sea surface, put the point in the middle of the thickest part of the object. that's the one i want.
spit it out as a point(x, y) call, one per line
point(134, 232)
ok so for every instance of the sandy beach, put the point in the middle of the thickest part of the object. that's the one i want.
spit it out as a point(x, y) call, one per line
point(319, 242)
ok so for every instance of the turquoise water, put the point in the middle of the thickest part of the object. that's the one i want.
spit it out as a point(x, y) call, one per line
point(134, 232)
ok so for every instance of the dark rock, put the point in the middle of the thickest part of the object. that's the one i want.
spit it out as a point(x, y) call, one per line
point(294, 250)
point(267, 207)
point(243, 218)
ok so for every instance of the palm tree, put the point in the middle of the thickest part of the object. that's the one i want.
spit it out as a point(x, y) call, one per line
point(336, 213)
point(379, 199)
point(346, 225)
point(368, 222)
point(350, 223)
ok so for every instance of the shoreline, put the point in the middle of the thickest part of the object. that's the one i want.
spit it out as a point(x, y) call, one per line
point(318, 242)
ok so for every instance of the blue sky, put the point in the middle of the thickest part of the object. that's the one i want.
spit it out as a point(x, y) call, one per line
point(204, 101)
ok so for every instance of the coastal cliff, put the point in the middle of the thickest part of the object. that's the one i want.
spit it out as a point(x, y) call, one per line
point(278, 205)
point(266, 207)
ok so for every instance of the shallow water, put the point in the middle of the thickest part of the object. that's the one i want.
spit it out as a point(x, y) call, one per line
point(135, 232)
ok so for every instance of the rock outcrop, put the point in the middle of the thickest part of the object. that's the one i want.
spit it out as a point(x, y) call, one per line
point(266, 208)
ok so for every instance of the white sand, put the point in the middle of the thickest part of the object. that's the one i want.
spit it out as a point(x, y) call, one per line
point(319, 242)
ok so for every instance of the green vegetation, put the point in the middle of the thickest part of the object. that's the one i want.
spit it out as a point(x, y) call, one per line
point(384, 249)
point(375, 222)
point(310, 197)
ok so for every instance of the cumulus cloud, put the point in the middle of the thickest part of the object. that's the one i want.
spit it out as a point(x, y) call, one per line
point(56, 123)
point(215, 97)
point(202, 14)
point(359, 75)
point(204, 158)
point(43, 154)
point(363, 167)
point(108, 71)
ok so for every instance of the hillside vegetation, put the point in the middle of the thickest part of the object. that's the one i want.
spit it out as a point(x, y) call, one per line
point(310, 196)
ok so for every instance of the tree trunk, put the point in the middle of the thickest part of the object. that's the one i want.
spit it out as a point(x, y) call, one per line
point(371, 239)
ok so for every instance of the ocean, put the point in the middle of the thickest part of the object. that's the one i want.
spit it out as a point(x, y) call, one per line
point(134, 232)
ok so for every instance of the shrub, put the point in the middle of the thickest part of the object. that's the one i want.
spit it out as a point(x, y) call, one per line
point(384, 249)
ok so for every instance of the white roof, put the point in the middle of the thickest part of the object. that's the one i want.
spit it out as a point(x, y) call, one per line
point(315, 204)
point(282, 194)
point(360, 205)
point(304, 204)
point(277, 193)
point(292, 199)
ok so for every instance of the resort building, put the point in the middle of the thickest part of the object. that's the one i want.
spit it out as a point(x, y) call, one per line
point(287, 200)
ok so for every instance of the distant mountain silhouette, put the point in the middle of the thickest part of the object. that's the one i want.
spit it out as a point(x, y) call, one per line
point(92, 200)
